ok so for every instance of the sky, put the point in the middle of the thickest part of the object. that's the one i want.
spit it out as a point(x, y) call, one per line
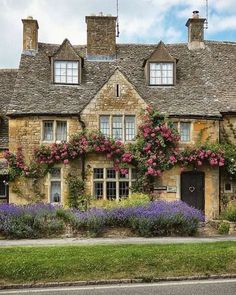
point(141, 21)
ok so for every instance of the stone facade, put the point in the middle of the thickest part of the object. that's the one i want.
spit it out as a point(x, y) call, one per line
point(114, 80)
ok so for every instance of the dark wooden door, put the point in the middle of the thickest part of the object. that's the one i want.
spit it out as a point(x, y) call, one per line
point(4, 190)
point(192, 189)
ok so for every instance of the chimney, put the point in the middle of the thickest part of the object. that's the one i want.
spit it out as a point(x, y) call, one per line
point(101, 37)
point(30, 34)
point(195, 31)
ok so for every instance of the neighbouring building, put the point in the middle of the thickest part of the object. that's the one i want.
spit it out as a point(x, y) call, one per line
point(60, 89)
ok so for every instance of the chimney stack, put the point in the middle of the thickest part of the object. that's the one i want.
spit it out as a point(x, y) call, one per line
point(30, 34)
point(196, 31)
point(101, 37)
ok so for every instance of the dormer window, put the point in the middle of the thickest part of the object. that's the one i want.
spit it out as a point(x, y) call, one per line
point(161, 73)
point(160, 67)
point(66, 72)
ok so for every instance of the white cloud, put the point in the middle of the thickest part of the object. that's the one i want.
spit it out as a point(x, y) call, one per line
point(140, 20)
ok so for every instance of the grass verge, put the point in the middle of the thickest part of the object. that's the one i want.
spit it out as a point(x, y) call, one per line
point(70, 263)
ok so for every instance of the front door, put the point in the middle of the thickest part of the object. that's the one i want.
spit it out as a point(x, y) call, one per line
point(4, 191)
point(192, 189)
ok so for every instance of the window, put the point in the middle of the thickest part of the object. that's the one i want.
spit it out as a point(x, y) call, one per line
point(119, 127)
point(55, 185)
point(228, 188)
point(185, 131)
point(161, 73)
point(111, 185)
point(54, 131)
point(66, 72)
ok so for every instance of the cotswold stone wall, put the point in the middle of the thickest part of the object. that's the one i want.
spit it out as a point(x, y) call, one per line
point(106, 102)
point(26, 132)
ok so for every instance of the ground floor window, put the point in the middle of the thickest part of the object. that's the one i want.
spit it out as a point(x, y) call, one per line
point(111, 185)
point(55, 185)
point(228, 186)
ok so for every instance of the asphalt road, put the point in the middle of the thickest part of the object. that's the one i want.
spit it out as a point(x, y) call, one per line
point(207, 287)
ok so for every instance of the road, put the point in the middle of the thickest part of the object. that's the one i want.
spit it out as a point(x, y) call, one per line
point(205, 287)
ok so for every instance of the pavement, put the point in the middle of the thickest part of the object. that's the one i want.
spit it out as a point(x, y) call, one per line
point(201, 287)
point(114, 241)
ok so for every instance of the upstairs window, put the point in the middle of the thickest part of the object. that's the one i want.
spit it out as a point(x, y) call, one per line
point(54, 131)
point(161, 73)
point(66, 72)
point(185, 128)
point(118, 127)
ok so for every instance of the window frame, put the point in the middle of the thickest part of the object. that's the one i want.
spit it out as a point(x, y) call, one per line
point(50, 180)
point(117, 180)
point(162, 62)
point(54, 135)
point(110, 121)
point(66, 60)
point(178, 123)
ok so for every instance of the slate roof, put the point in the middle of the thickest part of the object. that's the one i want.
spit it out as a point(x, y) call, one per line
point(205, 83)
point(7, 81)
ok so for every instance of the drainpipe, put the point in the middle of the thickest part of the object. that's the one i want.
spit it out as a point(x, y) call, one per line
point(220, 172)
point(83, 156)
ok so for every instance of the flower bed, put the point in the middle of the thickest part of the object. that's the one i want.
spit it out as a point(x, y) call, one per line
point(157, 218)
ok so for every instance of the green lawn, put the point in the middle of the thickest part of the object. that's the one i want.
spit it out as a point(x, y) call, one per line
point(64, 263)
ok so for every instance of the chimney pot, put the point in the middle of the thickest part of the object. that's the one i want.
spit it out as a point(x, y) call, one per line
point(195, 14)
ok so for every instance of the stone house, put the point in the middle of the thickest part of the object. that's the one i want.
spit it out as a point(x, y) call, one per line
point(60, 89)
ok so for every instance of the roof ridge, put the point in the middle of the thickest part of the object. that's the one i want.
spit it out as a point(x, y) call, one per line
point(9, 70)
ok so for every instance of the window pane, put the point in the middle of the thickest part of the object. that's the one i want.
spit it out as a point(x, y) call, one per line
point(55, 194)
point(48, 130)
point(98, 190)
point(129, 127)
point(123, 189)
point(117, 130)
point(98, 173)
point(111, 173)
point(185, 131)
point(111, 190)
point(104, 125)
point(55, 173)
point(228, 186)
point(161, 73)
point(66, 72)
point(61, 131)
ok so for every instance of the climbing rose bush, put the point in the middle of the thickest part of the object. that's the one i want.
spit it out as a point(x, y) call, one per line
point(155, 150)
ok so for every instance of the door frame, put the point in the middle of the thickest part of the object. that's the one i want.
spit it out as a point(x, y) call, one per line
point(203, 182)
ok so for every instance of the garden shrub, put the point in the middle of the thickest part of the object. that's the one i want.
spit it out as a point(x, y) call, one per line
point(135, 199)
point(223, 228)
point(229, 213)
point(30, 221)
point(158, 218)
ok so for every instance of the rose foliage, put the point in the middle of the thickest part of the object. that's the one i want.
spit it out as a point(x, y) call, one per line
point(155, 150)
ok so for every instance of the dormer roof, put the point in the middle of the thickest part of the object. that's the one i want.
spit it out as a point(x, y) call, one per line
point(160, 54)
point(66, 51)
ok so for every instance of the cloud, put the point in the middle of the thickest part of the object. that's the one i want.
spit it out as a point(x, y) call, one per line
point(144, 21)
